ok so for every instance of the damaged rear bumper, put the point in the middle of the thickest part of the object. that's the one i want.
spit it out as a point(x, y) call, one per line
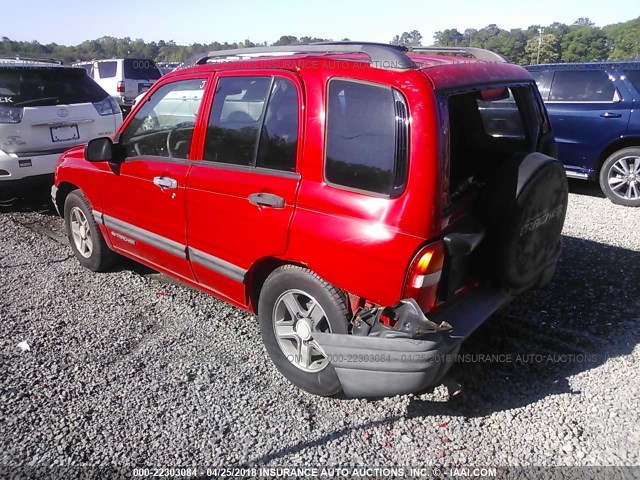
point(376, 366)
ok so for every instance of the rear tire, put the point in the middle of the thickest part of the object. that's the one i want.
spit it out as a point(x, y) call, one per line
point(294, 303)
point(84, 235)
point(620, 177)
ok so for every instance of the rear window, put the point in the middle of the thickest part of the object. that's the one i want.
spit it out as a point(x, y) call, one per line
point(486, 127)
point(634, 77)
point(367, 137)
point(582, 86)
point(48, 86)
point(140, 69)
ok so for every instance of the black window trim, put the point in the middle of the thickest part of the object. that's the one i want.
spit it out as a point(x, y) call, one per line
point(396, 190)
point(253, 168)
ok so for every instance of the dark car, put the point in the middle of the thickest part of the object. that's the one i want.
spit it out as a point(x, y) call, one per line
point(372, 205)
point(593, 108)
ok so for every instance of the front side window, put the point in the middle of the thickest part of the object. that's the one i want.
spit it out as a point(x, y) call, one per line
point(582, 86)
point(164, 125)
point(254, 122)
point(107, 69)
point(367, 135)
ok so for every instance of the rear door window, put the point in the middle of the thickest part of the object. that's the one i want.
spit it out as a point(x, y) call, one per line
point(367, 137)
point(31, 87)
point(254, 122)
point(140, 69)
point(107, 69)
point(582, 86)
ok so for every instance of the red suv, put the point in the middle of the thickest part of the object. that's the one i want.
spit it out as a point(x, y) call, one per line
point(371, 205)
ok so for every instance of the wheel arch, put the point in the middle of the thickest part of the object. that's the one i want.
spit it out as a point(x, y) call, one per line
point(64, 189)
point(257, 275)
point(612, 148)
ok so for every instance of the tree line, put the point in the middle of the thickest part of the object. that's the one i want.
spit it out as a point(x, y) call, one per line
point(558, 42)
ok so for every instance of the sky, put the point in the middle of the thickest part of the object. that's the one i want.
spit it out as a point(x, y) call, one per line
point(70, 22)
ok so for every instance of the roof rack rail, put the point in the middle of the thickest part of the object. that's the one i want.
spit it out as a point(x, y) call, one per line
point(478, 53)
point(381, 55)
point(20, 58)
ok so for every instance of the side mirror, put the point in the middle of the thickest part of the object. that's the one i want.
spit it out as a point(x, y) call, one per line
point(101, 150)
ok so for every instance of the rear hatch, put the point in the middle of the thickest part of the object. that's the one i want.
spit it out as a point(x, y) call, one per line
point(139, 75)
point(54, 109)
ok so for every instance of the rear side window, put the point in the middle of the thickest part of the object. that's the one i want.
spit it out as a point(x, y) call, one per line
point(582, 86)
point(140, 69)
point(48, 86)
point(634, 77)
point(367, 137)
point(107, 69)
point(254, 122)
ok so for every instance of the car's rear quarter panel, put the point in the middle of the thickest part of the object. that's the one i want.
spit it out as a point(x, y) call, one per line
point(357, 241)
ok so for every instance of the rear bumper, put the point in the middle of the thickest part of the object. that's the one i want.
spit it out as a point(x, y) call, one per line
point(374, 366)
point(22, 167)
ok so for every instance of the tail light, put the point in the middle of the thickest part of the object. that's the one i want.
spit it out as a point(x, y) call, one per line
point(108, 106)
point(424, 275)
point(120, 88)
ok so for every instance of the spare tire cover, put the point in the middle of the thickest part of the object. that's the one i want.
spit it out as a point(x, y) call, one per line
point(524, 206)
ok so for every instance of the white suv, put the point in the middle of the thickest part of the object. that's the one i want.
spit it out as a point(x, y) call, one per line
point(45, 109)
point(123, 78)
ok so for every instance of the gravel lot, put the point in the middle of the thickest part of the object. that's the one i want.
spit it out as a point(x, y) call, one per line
point(126, 368)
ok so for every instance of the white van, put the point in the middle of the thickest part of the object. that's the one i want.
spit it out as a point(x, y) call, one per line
point(123, 78)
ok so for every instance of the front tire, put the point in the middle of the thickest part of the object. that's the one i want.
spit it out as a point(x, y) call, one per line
point(84, 235)
point(620, 177)
point(293, 304)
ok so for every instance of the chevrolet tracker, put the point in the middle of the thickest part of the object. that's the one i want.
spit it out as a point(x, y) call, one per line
point(372, 205)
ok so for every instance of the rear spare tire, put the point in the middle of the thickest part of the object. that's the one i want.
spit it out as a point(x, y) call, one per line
point(524, 206)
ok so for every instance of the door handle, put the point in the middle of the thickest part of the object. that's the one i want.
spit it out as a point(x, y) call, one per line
point(610, 115)
point(165, 182)
point(266, 200)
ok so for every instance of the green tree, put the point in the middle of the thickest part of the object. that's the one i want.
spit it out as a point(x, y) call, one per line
point(450, 37)
point(624, 40)
point(584, 43)
point(549, 49)
point(413, 39)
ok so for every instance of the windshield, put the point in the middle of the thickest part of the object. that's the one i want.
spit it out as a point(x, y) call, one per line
point(140, 69)
point(48, 86)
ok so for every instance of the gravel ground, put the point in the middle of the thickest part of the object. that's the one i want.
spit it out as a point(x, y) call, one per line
point(126, 368)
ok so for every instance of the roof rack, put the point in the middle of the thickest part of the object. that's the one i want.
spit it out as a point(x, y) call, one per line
point(478, 53)
point(20, 58)
point(381, 55)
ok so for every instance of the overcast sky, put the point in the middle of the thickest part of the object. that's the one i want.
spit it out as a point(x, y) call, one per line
point(70, 22)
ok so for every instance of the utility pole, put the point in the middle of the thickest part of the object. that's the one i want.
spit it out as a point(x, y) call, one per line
point(540, 31)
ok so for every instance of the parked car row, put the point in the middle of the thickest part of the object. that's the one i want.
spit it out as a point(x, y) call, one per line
point(374, 210)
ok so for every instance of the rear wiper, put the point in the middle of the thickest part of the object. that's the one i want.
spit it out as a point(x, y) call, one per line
point(43, 100)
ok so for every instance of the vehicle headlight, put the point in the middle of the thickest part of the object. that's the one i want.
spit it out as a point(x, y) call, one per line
point(10, 114)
